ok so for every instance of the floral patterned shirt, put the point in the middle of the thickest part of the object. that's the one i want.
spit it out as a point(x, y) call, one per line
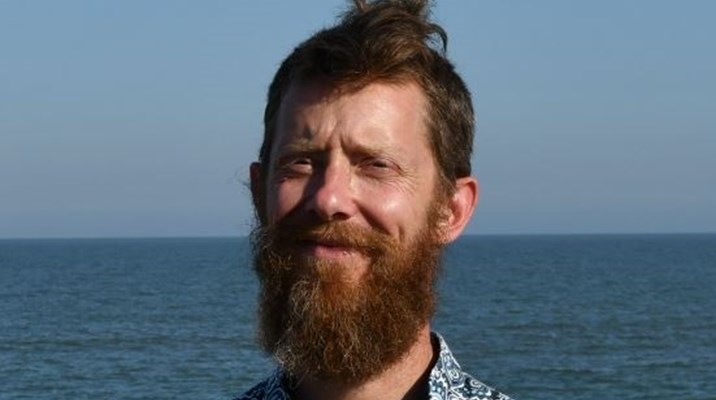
point(447, 382)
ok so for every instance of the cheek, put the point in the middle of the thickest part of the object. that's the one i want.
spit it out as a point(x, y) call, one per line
point(395, 213)
point(281, 200)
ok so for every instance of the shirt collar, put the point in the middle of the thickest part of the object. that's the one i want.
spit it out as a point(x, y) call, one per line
point(447, 380)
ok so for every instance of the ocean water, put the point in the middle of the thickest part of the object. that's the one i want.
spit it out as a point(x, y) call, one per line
point(538, 317)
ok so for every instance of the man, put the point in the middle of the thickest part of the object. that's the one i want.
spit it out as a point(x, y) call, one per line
point(363, 177)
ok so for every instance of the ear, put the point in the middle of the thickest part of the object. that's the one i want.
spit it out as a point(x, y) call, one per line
point(460, 208)
point(257, 191)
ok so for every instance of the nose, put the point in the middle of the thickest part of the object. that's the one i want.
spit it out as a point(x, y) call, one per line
point(331, 196)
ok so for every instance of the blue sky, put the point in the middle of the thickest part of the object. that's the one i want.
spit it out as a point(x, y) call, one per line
point(139, 118)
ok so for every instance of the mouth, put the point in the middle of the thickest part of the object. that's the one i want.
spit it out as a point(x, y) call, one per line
point(330, 250)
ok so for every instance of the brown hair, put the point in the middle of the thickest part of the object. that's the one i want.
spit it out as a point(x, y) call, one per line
point(386, 41)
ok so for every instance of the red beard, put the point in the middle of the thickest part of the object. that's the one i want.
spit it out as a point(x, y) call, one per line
point(317, 324)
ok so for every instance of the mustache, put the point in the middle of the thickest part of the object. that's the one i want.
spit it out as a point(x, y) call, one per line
point(369, 241)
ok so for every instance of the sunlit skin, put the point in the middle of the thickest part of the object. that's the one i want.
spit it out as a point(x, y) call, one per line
point(360, 157)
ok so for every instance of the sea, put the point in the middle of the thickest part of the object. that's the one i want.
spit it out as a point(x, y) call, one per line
point(537, 317)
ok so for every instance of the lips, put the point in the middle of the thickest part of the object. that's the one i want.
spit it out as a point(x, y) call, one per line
point(327, 249)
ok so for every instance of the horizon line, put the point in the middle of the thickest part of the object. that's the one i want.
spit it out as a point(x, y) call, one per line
point(463, 235)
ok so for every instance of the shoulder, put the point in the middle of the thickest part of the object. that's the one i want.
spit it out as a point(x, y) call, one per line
point(470, 388)
point(257, 392)
point(271, 388)
point(449, 381)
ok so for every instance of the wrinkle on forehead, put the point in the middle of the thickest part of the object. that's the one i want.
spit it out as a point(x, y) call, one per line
point(305, 98)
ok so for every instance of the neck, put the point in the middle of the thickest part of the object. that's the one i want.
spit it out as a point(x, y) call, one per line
point(405, 380)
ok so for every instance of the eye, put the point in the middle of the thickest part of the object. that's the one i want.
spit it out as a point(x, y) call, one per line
point(297, 165)
point(378, 167)
point(301, 164)
point(378, 163)
point(301, 161)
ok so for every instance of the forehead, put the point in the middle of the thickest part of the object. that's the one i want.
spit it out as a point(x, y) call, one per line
point(378, 112)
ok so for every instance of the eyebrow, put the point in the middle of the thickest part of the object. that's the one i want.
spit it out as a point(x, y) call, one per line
point(304, 146)
point(300, 143)
point(298, 146)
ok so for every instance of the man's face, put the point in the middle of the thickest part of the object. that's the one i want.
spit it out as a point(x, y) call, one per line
point(362, 158)
point(348, 252)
